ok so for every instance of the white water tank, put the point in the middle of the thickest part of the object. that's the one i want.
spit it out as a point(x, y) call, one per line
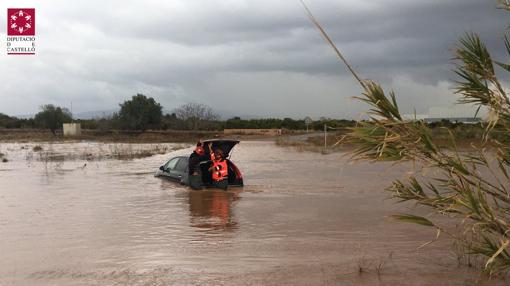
point(72, 129)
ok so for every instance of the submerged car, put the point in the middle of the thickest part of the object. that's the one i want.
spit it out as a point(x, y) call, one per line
point(177, 168)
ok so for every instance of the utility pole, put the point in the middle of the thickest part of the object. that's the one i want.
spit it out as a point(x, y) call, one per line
point(325, 137)
point(308, 121)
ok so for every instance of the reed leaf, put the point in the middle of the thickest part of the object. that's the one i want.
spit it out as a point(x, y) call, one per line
point(464, 185)
point(413, 219)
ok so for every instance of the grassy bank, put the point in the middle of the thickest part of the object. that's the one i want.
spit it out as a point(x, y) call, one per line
point(464, 135)
point(313, 143)
point(119, 151)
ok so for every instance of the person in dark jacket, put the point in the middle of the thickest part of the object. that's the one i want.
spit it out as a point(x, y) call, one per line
point(195, 174)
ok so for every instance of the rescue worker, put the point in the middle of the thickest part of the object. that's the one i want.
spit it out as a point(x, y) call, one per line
point(194, 172)
point(219, 169)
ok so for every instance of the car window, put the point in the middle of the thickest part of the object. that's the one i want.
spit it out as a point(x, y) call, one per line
point(181, 166)
point(171, 164)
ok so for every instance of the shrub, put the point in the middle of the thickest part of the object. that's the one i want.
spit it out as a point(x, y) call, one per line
point(464, 186)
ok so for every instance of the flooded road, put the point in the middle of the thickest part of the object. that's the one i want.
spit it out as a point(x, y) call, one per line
point(301, 219)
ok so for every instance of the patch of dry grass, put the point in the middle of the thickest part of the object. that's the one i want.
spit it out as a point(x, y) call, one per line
point(124, 136)
point(119, 151)
point(314, 144)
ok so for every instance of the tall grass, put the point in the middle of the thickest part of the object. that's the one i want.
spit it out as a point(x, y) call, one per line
point(472, 188)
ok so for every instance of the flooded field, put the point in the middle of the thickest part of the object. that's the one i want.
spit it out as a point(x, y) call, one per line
point(301, 219)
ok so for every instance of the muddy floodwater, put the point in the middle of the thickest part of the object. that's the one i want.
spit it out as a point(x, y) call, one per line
point(70, 218)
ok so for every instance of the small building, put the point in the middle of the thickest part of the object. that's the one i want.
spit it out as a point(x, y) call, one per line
point(72, 129)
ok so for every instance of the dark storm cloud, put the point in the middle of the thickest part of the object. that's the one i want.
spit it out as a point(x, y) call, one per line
point(99, 53)
point(385, 32)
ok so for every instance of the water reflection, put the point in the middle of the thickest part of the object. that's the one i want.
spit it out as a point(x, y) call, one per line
point(213, 209)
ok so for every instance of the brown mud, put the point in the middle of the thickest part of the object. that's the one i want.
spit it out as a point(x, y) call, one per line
point(302, 219)
point(127, 136)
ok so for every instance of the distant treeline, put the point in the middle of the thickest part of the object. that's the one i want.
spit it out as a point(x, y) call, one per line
point(172, 122)
point(14, 122)
point(143, 113)
point(286, 123)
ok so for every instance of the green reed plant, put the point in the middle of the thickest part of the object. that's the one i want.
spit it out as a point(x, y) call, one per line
point(471, 187)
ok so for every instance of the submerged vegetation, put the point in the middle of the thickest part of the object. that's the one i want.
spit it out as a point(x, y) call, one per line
point(92, 152)
point(472, 186)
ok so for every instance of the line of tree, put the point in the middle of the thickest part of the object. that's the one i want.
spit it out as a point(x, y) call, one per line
point(50, 117)
point(142, 113)
point(286, 123)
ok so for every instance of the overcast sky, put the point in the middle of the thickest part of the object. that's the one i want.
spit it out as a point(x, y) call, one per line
point(248, 58)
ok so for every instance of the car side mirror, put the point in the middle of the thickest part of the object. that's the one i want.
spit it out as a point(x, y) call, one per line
point(162, 168)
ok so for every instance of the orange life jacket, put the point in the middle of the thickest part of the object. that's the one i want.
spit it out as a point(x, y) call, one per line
point(220, 169)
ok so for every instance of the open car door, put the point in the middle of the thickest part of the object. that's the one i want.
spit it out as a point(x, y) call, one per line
point(225, 145)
